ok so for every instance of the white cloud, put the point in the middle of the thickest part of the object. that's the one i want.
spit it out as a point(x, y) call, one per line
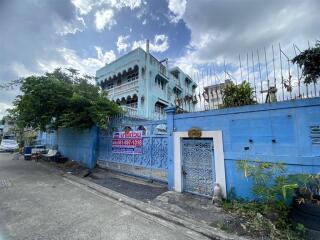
point(78, 25)
point(132, 4)
point(86, 6)
point(248, 27)
point(122, 44)
point(20, 49)
point(3, 109)
point(104, 19)
point(20, 69)
point(70, 58)
point(160, 43)
point(228, 28)
point(177, 9)
point(106, 57)
point(140, 43)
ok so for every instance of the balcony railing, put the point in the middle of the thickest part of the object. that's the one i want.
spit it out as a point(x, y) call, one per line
point(158, 116)
point(124, 88)
point(133, 112)
point(130, 111)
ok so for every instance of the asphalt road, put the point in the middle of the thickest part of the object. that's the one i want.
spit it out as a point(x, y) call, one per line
point(37, 204)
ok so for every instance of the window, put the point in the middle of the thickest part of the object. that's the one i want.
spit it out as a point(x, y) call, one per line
point(175, 74)
point(159, 83)
point(110, 85)
point(160, 129)
point(162, 69)
point(159, 108)
point(133, 76)
point(143, 129)
point(127, 129)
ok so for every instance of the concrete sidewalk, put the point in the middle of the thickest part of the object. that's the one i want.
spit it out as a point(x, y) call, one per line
point(136, 188)
point(184, 205)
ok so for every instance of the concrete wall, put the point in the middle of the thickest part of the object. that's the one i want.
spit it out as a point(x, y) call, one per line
point(278, 132)
point(48, 138)
point(77, 145)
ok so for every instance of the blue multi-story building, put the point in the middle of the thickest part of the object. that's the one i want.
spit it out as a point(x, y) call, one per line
point(144, 86)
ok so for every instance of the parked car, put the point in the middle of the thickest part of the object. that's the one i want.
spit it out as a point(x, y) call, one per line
point(8, 144)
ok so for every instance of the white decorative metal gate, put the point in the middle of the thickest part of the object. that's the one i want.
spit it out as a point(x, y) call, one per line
point(198, 166)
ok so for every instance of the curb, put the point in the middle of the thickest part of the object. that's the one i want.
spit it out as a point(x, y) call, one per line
point(205, 230)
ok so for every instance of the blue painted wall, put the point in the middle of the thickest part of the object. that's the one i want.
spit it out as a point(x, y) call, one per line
point(77, 145)
point(48, 138)
point(277, 132)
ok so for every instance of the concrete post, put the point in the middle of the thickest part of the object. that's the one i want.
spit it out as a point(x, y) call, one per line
point(170, 111)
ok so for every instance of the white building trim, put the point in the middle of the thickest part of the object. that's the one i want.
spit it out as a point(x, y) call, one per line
point(218, 156)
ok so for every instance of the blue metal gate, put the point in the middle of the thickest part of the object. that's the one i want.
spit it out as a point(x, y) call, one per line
point(198, 166)
point(151, 163)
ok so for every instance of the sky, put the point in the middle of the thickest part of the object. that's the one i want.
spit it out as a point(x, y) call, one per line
point(39, 35)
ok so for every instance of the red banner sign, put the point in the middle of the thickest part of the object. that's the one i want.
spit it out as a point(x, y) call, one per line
point(127, 142)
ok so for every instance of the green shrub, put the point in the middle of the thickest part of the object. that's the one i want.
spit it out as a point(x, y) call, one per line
point(268, 214)
point(237, 95)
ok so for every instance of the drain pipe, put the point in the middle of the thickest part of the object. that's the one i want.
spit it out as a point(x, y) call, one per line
point(147, 102)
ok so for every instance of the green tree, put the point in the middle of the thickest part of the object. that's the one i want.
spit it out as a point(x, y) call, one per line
point(309, 62)
point(237, 95)
point(59, 99)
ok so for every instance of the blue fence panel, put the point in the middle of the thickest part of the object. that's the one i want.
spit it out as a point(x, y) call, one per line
point(154, 152)
point(151, 163)
point(49, 139)
point(77, 145)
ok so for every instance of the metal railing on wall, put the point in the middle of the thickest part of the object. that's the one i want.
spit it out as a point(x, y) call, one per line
point(136, 113)
point(271, 74)
point(118, 91)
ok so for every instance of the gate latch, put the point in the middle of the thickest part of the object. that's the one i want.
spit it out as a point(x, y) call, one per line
point(183, 170)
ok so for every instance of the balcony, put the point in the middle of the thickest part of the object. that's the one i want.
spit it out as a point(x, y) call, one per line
point(130, 111)
point(119, 91)
point(133, 112)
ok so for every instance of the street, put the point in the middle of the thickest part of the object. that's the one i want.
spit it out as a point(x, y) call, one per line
point(37, 204)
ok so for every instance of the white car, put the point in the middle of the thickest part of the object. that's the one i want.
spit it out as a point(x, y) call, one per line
point(8, 144)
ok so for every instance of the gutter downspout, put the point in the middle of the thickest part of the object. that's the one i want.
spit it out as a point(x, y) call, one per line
point(147, 100)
